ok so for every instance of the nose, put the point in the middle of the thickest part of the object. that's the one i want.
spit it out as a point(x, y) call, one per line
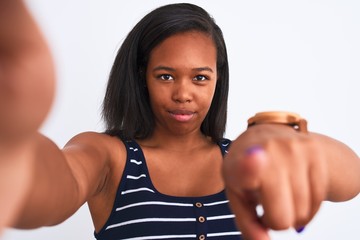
point(182, 91)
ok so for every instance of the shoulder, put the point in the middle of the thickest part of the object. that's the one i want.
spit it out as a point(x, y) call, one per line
point(94, 141)
point(98, 153)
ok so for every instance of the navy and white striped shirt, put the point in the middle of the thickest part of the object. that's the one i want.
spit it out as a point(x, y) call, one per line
point(140, 212)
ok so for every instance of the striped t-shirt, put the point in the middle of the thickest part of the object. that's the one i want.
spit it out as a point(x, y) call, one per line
point(140, 212)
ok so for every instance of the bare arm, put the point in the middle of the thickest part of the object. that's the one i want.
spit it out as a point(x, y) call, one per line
point(26, 92)
point(343, 169)
point(40, 184)
point(63, 180)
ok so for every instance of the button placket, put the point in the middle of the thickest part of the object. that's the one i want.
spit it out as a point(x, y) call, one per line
point(201, 223)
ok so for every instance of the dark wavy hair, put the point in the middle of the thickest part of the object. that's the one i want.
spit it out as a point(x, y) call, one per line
point(126, 106)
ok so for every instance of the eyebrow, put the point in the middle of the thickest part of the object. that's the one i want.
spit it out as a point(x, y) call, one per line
point(170, 69)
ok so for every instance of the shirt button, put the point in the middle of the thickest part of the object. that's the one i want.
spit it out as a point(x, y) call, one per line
point(202, 237)
point(201, 219)
point(198, 204)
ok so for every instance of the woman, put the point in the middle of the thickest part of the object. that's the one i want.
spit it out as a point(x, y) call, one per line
point(165, 110)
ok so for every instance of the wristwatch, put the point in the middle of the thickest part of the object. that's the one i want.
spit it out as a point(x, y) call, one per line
point(287, 118)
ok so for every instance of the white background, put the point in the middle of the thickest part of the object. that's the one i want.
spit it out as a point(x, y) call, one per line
point(302, 56)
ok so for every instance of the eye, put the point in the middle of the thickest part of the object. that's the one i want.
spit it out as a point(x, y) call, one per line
point(200, 78)
point(165, 77)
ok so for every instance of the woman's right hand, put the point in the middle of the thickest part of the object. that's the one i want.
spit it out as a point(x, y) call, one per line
point(27, 78)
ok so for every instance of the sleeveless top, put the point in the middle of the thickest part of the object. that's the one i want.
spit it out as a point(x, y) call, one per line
point(140, 212)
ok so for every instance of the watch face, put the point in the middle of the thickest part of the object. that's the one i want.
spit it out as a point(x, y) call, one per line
point(292, 119)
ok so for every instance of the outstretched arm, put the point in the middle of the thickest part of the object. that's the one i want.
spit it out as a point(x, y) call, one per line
point(63, 180)
point(289, 173)
point(26, 92)
point(40, 184)
point(27, 76)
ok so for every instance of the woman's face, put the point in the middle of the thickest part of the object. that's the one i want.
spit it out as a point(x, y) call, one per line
point(181, 79)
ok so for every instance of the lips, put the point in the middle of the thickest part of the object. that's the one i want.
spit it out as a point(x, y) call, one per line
point(182, 115)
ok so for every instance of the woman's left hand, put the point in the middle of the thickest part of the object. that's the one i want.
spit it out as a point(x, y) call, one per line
point(282, 170)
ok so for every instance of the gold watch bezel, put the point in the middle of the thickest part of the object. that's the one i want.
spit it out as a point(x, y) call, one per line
point(287, 118)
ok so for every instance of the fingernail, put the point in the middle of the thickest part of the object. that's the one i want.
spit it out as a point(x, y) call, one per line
point(300, 230)
point(254, 149)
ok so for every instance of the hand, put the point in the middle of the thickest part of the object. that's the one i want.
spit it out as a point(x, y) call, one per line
point(27, 76)
point(280, 169)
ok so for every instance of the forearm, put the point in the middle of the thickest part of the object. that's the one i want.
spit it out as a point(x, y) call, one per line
point(53, 194)
point(343, 169)
point(15, 172)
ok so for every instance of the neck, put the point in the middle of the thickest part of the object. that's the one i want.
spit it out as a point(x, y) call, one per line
point(180, 142)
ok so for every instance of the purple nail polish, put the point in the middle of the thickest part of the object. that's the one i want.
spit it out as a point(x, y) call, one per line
point(254, 149)
point(300, 230)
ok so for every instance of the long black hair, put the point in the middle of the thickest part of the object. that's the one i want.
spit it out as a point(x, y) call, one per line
point(126, 106)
